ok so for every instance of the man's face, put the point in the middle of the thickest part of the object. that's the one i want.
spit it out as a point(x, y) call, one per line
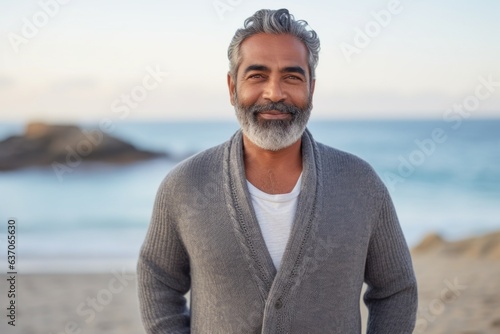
point(272, 92)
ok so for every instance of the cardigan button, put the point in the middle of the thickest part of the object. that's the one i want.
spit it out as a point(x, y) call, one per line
point(278, 304)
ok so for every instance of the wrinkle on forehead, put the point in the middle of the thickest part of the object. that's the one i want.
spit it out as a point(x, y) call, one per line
point(276, 52)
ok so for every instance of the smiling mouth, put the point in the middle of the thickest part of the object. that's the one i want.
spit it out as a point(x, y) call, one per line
point(274, 114)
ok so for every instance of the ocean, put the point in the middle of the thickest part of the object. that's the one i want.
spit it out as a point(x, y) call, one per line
point(443, 177)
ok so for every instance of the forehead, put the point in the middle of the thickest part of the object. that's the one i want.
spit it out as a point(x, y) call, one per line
point(273, 50)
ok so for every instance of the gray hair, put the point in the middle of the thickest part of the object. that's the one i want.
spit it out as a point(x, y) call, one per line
point(276, 22)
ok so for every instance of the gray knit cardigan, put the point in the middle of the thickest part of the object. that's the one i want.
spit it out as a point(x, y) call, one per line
point(204, 237)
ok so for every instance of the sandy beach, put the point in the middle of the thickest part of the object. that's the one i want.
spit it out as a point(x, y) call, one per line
point(74, 303)
point(459, 292)
point(459, 285)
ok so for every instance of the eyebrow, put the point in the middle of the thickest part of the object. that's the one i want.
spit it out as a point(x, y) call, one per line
point(294, 69)
point(288, 69)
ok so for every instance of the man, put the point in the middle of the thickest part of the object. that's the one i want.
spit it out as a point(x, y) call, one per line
point(271, 231)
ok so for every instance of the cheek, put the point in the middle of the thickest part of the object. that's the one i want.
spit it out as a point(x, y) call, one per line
point(247, 96)
point(300, 97)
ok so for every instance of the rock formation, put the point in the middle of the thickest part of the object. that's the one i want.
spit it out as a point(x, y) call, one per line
point(45, 145)
point(487, 247)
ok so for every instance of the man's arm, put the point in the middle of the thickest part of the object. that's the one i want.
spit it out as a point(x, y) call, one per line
point(163, 274)
point(391, 296)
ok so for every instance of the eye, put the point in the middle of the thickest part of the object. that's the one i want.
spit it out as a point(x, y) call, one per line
point(293, 77)
point(255, 76)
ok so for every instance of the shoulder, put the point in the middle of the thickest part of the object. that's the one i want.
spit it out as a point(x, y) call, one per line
point(199, 162)
point(349, 167)
point(194, 171)
point(343, 161)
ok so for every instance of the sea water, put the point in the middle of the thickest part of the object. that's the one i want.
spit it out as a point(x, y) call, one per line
point(442, 178)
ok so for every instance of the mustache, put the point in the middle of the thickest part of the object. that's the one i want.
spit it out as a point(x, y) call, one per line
point(279, 106)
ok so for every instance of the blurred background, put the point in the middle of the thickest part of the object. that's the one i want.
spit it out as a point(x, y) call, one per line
point(413, 87)
point(154, 74)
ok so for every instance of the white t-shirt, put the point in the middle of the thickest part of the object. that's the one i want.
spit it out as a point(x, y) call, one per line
point(275, 214)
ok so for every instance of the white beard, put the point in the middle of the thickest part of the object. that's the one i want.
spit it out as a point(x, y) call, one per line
point(273, 135)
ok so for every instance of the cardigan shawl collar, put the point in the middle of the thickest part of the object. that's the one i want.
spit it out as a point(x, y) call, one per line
point(247, 228)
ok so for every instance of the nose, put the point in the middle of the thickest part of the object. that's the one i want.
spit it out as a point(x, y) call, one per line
point(273, 90)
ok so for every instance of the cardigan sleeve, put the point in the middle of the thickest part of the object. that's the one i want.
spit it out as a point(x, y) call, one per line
point(391, 296)
point(163, 273)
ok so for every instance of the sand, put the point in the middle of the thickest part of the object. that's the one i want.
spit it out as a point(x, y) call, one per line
point(459, 292)
point(74, 303)
point(459, 285)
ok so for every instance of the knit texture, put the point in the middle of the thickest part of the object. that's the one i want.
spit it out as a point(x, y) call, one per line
point(204, 237)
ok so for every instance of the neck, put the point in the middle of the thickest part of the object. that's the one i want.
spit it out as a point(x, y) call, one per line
point(274, 172)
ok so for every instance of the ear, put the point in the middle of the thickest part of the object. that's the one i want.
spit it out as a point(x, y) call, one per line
point(231, 85)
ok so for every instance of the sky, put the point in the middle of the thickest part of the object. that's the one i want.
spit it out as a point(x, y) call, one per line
point(79, 61)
